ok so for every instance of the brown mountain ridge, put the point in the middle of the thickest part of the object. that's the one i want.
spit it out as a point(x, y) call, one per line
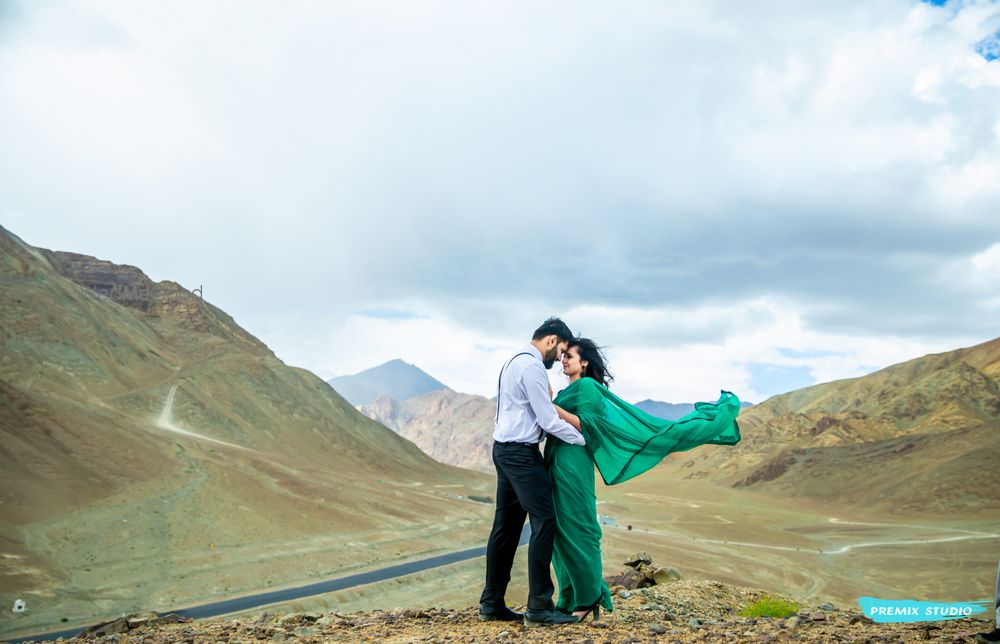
point(114, 500)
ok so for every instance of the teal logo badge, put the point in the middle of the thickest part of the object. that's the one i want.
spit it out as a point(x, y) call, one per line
point(907, 610)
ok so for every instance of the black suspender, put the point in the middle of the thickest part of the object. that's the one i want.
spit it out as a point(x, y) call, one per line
point(523, 353)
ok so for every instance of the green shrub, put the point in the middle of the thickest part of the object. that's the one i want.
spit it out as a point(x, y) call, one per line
point(770, 607)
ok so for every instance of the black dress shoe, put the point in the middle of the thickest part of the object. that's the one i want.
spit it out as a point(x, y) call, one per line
point(491, 614)
point(548, 618)
point(992, 636)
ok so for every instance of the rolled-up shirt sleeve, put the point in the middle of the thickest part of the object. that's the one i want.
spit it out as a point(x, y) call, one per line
point(536, 385)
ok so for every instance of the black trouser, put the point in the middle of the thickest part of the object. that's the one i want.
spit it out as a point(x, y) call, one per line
point(523, 488)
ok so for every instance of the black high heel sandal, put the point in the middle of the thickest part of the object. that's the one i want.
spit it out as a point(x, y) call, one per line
point(594, 609)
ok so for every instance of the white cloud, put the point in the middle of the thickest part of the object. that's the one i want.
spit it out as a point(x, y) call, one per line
point(653, 353)
point(700, 184)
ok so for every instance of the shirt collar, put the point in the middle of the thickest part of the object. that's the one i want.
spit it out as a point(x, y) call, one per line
point(533, 350)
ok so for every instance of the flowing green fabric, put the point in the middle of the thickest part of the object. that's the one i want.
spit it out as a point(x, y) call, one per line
point(623, 441)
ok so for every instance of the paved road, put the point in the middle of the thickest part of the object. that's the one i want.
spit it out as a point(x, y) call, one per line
point(215, 609)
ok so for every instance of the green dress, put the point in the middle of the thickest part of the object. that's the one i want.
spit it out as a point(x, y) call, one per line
point(623, 441)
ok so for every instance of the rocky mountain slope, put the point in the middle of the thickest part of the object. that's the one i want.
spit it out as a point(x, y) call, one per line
point(394, 379)
point(112, 498)
point(451, 427)
point(921, 436)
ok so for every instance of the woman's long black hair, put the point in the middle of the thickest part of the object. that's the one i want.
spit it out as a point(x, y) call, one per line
point(597, 363)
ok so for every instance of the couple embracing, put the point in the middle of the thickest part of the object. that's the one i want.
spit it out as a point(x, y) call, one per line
point(587, 425)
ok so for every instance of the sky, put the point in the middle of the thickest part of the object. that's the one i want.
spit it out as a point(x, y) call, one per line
point(726, 195)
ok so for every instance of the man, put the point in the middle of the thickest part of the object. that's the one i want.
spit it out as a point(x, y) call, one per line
point(524, 412)
point(994, 635)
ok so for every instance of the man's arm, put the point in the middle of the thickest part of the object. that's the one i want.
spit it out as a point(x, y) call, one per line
point(536, 385)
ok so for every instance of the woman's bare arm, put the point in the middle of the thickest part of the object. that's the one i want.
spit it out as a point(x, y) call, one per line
point(572, 419)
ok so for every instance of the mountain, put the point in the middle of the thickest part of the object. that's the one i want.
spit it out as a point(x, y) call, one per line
point(153, 453)
point(451, 427)
point(922, 436)
point(396, 379)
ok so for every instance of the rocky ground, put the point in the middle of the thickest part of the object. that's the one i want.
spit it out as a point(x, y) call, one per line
point(682, 611)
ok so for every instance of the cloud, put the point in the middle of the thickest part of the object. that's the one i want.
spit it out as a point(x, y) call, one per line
point(698, 175)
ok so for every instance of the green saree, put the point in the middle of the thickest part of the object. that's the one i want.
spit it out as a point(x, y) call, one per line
point(622, 441)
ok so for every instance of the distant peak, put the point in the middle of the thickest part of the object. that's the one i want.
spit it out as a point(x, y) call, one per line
point(396, 379)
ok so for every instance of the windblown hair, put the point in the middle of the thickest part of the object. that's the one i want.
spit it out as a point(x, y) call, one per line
point(556, 327)
point(597, 362)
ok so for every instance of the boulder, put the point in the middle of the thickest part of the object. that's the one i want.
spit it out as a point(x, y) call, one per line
point(666, 575)
point(630, 580)
point(112, 627)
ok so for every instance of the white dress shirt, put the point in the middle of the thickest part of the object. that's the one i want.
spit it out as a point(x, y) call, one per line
point(524, 406)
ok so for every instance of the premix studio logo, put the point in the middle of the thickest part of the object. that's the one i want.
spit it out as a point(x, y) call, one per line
point(907, 610)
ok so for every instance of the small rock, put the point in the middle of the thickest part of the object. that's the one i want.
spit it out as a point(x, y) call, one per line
point(647, 570)
point(827, 606)
point(817, 617)
point(503, 634)
point(656, 628)
point(291, 618)
point(669, 617)
point(598, 624)
point(793, 621)
point(861, 619)
point(305, 631)
point(624, 594)
point(638, 558)
point(135, 621)
point(694, 622)
point(666, 575)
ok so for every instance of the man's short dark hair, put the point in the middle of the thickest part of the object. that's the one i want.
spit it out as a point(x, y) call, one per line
point(556, 327)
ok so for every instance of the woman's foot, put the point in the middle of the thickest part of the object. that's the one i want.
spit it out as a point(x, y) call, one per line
point(582, 614)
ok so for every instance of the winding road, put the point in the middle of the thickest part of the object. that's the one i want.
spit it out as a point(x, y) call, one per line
point(215, 609)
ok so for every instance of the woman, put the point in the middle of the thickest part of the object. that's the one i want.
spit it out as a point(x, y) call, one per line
point(623, 441)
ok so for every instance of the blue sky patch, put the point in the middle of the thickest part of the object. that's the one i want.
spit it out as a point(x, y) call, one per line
point(989, 48)
point(771, 380)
